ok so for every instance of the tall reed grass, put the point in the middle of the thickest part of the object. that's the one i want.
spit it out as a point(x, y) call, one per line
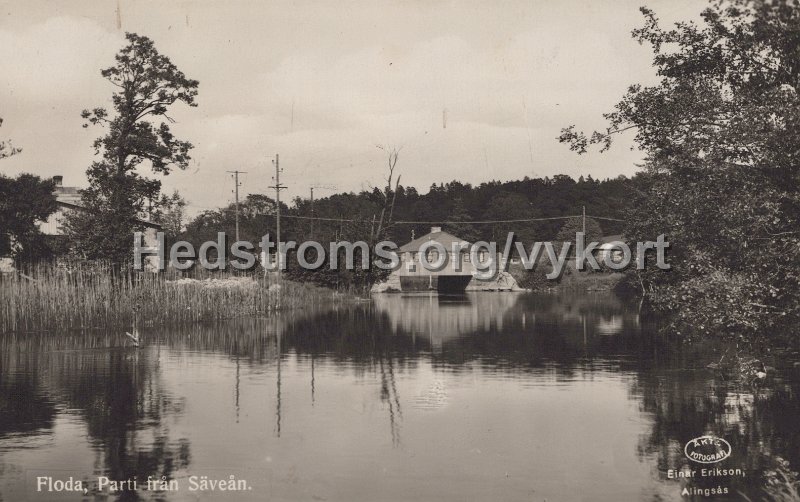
point(50, 298)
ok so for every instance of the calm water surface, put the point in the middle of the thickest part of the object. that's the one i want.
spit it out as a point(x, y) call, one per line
point(490, 396)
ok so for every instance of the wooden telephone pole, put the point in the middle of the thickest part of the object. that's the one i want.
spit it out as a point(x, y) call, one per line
point(278, 187)
point(584, 220)
point(236, 181)
point(312, 213)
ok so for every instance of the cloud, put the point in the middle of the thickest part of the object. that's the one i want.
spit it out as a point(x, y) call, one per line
point(470, 91)
point(57, 60)
point(52, 73)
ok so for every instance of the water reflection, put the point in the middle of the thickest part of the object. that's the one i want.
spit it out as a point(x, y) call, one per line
point(442, 318)
point(760, 423)
point(116, 394)
point(480, 396)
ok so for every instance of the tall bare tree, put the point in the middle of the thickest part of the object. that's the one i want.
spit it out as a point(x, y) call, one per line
point(389, 194)
point(6, 148)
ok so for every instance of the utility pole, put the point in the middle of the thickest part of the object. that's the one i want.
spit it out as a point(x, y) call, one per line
point(236, 181)
point(584, 220)
point(278, 187)
point(312, 213)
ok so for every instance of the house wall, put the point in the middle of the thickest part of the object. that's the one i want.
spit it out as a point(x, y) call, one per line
point(53, 225)
point(410, 265)
point(6, 265)
point(422, 277)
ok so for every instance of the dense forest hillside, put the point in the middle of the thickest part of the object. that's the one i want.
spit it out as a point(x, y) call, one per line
point(453, 205)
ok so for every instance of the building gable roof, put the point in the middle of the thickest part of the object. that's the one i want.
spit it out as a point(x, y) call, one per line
point(444, 238)
point(70, 195)
point(69, 205)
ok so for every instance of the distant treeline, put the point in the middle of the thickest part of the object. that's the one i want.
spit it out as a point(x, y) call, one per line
point(454, 202)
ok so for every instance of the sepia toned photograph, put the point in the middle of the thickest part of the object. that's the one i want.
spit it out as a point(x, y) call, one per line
point(400, 250)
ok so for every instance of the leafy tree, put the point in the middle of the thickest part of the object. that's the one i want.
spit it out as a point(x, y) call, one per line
point(170, 213)
point(147, 85)
point(510, 206)
point(721, 132)
point(459, 215)
point(256, 218)
point(593, 231)
point(24, 201)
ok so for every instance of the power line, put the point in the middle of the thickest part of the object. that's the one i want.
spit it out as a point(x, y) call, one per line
point(405, 222)
point(603, 218)
point(484, 221)
point(317, 185)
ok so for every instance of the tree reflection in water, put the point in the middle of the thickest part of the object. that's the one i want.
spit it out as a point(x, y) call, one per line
point(572, 335)
point(121, 395)
point(761, 424)
point(117, 392)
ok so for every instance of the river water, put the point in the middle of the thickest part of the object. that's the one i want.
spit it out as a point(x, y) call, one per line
point(487, 396)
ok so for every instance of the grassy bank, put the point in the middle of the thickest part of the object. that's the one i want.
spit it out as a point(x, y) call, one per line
point(48, 298)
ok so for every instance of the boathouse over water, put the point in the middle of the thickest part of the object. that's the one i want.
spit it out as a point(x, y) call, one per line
point(455, 276)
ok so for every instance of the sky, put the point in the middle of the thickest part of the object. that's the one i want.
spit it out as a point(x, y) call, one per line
point(469, 90)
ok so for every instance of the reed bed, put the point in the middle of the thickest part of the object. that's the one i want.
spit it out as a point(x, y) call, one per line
point(49, 299)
